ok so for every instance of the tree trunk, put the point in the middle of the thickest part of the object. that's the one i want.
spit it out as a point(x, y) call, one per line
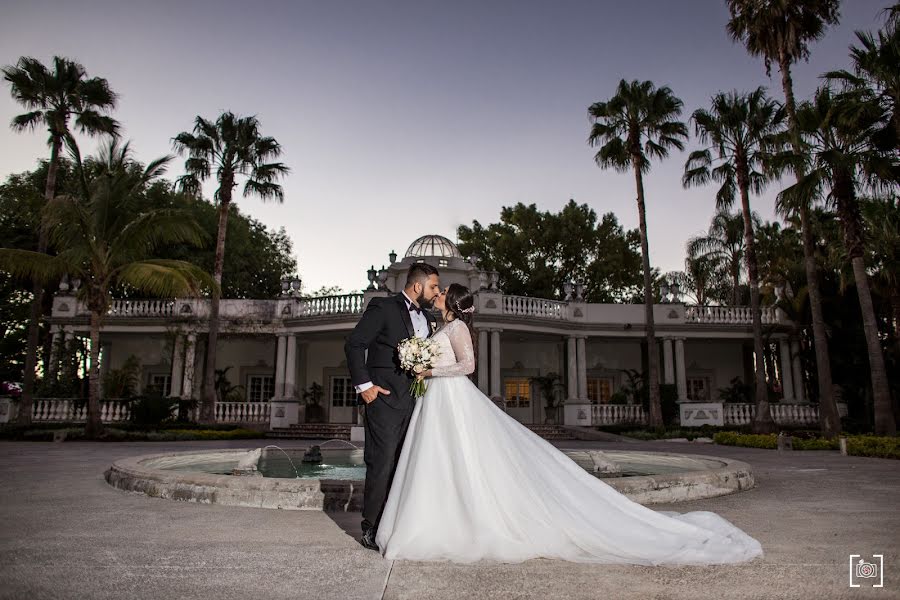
point(208, 405)
point(736, 284)
point(94, 425)
point(655, 417)
point(829, 418)
point(884, 414)
point(26, 405)
point(851, 222)
point(762, 420)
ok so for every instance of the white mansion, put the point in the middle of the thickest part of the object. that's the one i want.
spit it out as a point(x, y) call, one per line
point(278, 348)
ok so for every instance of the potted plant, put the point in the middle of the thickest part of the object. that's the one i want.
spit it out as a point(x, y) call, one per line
point(226, 392)
point(312, 397)
point(550, 387)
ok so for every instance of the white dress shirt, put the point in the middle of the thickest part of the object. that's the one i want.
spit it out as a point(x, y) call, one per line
point(420, 326)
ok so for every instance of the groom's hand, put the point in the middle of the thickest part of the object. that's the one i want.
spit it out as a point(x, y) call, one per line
point(370, 394)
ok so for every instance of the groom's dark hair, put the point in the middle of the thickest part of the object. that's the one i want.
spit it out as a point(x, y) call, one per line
point(419, 272)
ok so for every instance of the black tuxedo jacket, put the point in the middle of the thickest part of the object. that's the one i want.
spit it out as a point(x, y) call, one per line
point(384, 324)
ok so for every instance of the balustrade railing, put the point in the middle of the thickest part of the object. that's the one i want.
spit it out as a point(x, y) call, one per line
point(141, 308)
point(242, 412)
point(70, 410)
point(782, 413)
point(614, 414)
point(353, 304)
point(347, 304)
point(728, 315)
point(535, 307)
point(734, 414)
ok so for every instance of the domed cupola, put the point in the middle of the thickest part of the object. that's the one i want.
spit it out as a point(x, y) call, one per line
point(433, 245)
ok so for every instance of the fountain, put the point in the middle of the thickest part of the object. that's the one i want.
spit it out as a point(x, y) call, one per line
point(333, 479)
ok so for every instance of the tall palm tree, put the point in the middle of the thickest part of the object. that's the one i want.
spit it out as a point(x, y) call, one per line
point(780, 32)
point(54, 98)
point(105, 238)
point(234, 147)
point(724, 245)
point(842, 159)
point(875, 78)
point(882, 220)
point(639, 123)
point(736, 132)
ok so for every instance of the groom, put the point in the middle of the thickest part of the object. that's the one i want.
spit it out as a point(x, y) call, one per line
point(375, 371)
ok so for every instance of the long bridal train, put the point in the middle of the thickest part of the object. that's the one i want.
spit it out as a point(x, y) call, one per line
point(474, 484)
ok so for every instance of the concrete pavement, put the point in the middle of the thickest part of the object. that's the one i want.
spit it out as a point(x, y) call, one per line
point(66, 533)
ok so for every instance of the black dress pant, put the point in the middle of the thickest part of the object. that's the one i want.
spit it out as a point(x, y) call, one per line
point(386, 423)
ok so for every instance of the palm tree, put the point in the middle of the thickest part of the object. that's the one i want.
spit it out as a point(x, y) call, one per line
point(737, 133)
point(53, 99)
point(106, 239)
point(842, 158)
point(234, 147)
point(780, 31)
point(638, 123)
point(724, 245)
point(875, 78)
point(882, 220)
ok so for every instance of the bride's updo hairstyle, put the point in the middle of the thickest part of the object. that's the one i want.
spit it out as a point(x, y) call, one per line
point(461, 303)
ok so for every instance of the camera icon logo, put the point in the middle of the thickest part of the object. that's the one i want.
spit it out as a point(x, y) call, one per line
point(861, 569)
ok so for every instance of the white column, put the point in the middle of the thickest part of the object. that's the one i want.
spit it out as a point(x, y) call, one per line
point(105, 359)
point(55, 340)
point(279, 365)
point(483, 362)
point(787, 376)
point(495, 365)
point(582, 369)
point(572, 369)
point(668, 362)
point(799, 393)
point(187, 387)
point(290, 367)
point(680, 375)
point(177, 366)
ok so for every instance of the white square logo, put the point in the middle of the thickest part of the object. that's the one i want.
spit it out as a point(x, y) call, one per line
point(863, 571)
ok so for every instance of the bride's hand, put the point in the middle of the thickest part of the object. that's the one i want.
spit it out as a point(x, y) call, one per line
point(423, 375)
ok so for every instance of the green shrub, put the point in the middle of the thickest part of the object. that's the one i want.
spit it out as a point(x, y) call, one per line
point(857, 445)
point(151, 410)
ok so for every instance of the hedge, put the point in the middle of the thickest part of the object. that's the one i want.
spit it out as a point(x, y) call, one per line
point(857, 445)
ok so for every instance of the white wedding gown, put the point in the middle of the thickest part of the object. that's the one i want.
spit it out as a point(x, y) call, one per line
point(472, 483)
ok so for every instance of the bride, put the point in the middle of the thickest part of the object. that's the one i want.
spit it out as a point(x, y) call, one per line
point(472, 483)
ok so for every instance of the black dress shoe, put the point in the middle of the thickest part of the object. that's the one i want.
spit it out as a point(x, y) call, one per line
point(368, 540)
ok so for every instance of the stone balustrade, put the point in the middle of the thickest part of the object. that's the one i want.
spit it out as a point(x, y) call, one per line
point(352, 305)
point(727, 413)
point(347, 304)
point(728, 315)
point(242, 412)
point(617, 414)
point(540, 308)
point(68, 410)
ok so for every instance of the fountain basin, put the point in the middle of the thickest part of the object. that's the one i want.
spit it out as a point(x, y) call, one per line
point(204, 476)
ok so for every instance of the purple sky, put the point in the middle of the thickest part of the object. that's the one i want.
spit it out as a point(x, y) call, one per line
point(400, 119)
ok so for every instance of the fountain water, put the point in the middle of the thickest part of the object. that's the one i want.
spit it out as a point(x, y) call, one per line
point(286, 455)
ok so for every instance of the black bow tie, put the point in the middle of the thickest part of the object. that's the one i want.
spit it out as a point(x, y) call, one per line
point(413, 307)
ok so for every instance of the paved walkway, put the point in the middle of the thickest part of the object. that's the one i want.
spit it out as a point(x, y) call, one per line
point(65, 533)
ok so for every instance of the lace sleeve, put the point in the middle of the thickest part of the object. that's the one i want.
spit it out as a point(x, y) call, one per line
point(461, 342)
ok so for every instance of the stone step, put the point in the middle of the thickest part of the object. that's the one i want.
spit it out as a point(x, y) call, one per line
point(293, 435)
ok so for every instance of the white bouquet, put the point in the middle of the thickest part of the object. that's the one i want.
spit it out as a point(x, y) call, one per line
point(417, 356)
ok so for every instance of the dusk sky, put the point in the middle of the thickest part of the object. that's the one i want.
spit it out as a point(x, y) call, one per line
point(400, 119)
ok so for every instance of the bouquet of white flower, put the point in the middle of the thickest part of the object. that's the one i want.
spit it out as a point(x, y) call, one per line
point(417, 356)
